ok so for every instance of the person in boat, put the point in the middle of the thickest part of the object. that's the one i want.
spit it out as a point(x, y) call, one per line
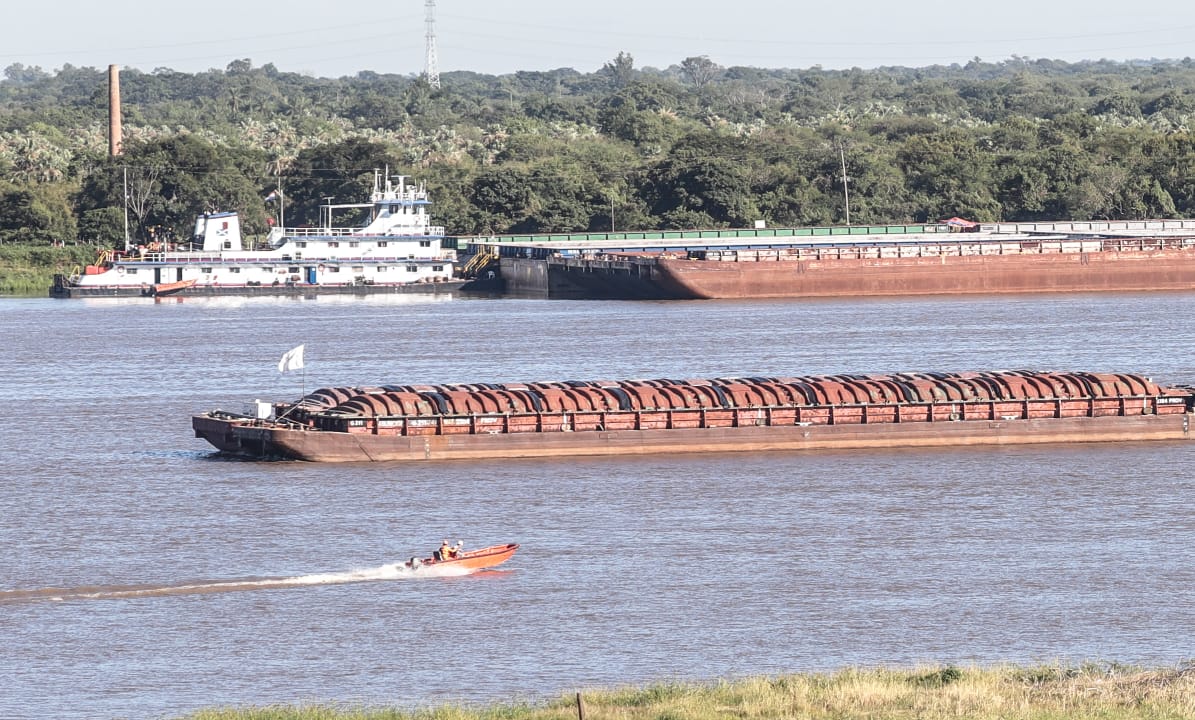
point(448, 552)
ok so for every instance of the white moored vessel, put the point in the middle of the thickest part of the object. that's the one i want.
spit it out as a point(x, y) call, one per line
point(399, 250)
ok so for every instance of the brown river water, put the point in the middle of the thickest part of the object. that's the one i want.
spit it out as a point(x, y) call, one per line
point(142, 576)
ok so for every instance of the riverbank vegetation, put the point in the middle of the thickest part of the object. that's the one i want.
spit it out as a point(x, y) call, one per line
point(29, 269)
point(1088, 692)
point(691, 145)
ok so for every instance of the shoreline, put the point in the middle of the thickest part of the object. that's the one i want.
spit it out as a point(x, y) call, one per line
point(1104, 690)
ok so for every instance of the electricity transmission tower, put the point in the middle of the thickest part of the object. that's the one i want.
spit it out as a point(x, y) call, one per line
point(431, 71)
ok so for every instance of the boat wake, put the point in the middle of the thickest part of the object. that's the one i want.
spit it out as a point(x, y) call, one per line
point(396, 571)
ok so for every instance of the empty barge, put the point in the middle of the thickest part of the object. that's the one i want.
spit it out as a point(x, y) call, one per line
point(990, 260)
point(544, 419)
point(1132, 265)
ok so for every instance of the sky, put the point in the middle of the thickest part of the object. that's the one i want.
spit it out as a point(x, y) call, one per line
point(344, 37)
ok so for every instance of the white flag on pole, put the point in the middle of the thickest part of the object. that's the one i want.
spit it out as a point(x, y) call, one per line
point(291, 360)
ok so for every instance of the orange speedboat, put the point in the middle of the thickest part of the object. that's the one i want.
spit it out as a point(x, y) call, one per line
point(470, 559)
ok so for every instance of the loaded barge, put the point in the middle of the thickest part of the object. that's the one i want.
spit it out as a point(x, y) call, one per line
point(545, 419)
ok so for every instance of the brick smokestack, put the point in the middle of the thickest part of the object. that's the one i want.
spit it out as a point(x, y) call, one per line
point(114, 131)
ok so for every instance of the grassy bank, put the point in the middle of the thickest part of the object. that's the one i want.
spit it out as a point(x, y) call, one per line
point(1089, 692)
point(29, 269)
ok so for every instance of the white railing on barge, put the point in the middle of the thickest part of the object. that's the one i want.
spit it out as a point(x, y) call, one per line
point(958, 245)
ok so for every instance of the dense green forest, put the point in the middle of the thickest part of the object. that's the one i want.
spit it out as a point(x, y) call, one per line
point(692, 145)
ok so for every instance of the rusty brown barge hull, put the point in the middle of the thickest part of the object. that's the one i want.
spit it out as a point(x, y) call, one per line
point(345, 447)
point(1126, 266)
point(553, 419)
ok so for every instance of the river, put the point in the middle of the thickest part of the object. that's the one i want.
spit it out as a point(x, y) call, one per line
point(143, 576)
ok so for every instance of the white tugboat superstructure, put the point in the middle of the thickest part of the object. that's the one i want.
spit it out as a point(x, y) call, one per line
point(398, 250)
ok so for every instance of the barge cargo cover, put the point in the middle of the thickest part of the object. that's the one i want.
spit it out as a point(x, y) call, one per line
point(575, 418)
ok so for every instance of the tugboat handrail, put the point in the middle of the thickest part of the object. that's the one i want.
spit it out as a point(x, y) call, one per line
point(205, 259)
point(433, 231)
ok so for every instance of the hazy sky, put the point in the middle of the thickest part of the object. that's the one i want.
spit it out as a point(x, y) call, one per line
point(496, 37)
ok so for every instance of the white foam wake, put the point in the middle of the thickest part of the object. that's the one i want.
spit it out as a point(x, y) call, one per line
point(395, 571)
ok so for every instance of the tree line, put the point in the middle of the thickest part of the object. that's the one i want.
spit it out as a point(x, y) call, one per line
point(694, 145)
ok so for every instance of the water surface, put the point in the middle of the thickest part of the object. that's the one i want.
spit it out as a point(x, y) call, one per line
point(144, 576)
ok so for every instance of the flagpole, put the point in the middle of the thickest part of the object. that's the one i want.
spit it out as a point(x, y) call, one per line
point(293, 360)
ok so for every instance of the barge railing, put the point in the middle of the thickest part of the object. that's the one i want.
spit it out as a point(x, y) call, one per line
point(956, 247)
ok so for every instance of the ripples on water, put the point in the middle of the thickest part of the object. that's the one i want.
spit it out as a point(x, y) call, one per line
point(144, 576)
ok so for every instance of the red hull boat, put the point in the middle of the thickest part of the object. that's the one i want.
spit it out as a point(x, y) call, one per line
point(470, 559)
point(161, 289)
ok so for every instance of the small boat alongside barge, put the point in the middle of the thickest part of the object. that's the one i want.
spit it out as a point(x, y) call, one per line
point(164, 289)
point(417, 423)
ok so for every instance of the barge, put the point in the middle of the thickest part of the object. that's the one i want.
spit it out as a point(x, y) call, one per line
point(897, 261)
point(414, 423)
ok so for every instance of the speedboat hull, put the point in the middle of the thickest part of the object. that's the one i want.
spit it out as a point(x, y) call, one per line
point(472, 559)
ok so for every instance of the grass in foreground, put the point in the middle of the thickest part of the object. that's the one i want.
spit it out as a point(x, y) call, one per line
point(1088, 692)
